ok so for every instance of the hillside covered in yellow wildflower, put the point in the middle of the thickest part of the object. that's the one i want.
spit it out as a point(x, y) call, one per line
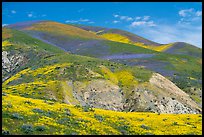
point(63, 79)
point(34, 116)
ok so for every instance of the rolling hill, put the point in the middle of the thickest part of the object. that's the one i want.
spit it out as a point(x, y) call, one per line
point(179, 62)
point(57, 76)
point(127, 37)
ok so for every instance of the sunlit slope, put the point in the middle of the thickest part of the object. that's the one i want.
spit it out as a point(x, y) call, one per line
point(76, 40)
point(132, 37)
point(49, 77)
point(53, 75)
point(125, 37)
point(17, 37)
point(43, 79)
point(20, 50)
point(54, 28)
point(182, 64)
point(34, 116)
point(183, 70)
point(62, 77)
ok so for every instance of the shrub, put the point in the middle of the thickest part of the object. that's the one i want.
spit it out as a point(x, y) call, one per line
point(148, 133)
point(190, 133)
point(27, 128)
point(52, 99)
point(145, 127)
point(194, 127)
point(49, 102)
point(4, 94)
point(40, 128)
point(174, 123)
point(98, 117)
point(9, 105)
point(28, 102)
point(77, 106)
point(87, 108)
point(141, 119)
point(48, 114)
point(16, 116)
point(73, 133)
point(67, 112)
point(124, 129)
point(5, 132)
point(164, 119)
point(37, 110)
point(64, 121)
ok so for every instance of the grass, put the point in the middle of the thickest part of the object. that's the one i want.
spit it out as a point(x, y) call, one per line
point(61, 29)
point(188, 71)
point(33, 96)
point(117, 47)
point(46, 74)
point(183, 65)
point(31, 46)
point(19, 38)
point(44, 81)
point(191, 68)
point(83, 122)
point(189, 50)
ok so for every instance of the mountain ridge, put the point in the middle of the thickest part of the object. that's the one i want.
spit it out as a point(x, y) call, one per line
point(20, 25)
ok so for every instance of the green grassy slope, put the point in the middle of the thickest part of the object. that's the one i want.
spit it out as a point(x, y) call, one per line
point(33, 95)
point(183, 48)
point(85, 42)
point(48, 65)
point(186, 69)
point(101, 30)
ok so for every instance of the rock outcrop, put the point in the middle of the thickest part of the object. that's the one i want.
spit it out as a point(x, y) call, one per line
point(159, 95)
point(10, 62)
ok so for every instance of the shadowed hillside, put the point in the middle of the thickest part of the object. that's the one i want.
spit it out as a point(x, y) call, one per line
point(185, 49)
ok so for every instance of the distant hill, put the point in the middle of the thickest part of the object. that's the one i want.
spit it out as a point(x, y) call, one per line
point(127, 37)
point(183, 48)
point(132, 37)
